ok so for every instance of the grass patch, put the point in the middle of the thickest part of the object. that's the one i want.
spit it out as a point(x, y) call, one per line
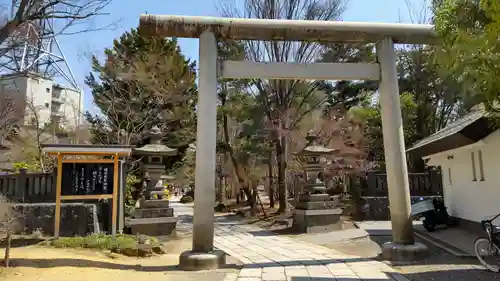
point(98, 241)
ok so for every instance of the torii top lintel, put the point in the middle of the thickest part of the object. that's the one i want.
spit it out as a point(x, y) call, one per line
point(292, 30)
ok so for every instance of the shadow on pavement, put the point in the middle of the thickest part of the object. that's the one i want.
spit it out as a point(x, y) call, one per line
point(440, 265)
point(436, 255)
point(443, 275)
point(387, 277)
point(51, 263)
point(453, 274)
point(298, 262)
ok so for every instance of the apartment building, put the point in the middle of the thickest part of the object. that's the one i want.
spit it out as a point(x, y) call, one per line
point(38, 100)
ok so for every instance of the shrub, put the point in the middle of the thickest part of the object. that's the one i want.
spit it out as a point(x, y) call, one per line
point(99, 241)
point(166, 194)
point(131, 182)
point(34, 167)
point(186, 199)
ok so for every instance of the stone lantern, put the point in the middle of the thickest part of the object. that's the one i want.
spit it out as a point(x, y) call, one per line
point(315, 211)
point(153, 215)
point(152, 164)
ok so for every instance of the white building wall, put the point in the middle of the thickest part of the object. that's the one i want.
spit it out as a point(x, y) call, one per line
point(67, 106)
point(465, 197)
point(36, 94)
point(72, 108)
point(38, 98)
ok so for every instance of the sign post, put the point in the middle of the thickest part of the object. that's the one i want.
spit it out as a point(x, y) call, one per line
point(87, 179)
point(121, 200)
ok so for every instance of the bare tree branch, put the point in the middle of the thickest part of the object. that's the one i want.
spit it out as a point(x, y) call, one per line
point(35, 19)
point(7, 115)
point(279, 96)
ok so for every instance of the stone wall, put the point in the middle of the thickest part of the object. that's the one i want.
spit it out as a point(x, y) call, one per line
point(377, 208)
point(77, 219)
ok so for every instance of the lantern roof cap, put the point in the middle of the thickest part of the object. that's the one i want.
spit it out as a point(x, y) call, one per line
point(313, 148)
point(316, 150)
point(155, 147)
point(154, 150)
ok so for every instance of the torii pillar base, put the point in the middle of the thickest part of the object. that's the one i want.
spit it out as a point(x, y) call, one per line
point(194, 261)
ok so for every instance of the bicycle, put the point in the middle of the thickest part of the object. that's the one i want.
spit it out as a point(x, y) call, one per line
point(491, 245)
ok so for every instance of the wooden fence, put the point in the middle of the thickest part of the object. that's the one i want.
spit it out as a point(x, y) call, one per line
point(28, 187)
point(421, 184)
point(373, 184)
point(40, 187)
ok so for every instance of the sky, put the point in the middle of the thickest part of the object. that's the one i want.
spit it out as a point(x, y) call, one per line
point(79, 48)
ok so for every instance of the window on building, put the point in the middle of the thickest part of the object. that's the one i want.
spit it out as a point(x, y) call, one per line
point(481, 168)
point(473, 161)
point(449, 177)
point(47, 89)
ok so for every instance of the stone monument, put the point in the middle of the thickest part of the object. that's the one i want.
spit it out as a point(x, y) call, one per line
point(315, 210)
point(153, 215)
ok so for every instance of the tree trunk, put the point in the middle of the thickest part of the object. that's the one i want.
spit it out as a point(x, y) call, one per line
point(253, 201)
point(7, 250)
point(282, 188)
point(248, 193)
point(240, 172)
point(270, 179)
point(219, 191)
point(225, 196)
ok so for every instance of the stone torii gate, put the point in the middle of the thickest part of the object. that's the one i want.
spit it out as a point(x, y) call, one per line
point(209, 29)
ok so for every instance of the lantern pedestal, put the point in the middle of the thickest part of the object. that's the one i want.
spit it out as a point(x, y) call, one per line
point(316, 213)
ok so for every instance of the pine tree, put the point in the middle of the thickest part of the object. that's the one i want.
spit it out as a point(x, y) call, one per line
point(144, 82)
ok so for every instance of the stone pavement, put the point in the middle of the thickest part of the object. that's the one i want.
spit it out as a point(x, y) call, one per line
point(454, 240)
point(269, 257)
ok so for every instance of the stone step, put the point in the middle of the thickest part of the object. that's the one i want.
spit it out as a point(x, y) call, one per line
point(153, 213)
point(319, 205)
point(131, 221)
point(153, 204)
point(152, 226)
point(313, 197)
point(159, 191)
point(317, 221)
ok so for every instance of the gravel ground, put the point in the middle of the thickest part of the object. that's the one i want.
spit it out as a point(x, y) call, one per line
point(439, 266)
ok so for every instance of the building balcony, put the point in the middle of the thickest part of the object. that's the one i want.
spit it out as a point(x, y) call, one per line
point(58, 100)
point(57, 113)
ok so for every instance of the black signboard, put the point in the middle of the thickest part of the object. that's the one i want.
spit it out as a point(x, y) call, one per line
point(87, 178)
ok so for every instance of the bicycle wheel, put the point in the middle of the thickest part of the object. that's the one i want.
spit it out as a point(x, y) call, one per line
point(488, 254)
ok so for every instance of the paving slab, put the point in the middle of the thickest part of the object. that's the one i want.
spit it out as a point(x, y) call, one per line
point(379, 228)
point(274, 276)
point(268, 257)
point(333, 237)
point(454, 240)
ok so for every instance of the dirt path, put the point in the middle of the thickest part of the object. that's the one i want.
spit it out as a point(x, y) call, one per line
point(34, 263)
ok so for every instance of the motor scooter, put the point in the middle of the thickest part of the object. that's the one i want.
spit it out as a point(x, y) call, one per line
point(434, 213)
